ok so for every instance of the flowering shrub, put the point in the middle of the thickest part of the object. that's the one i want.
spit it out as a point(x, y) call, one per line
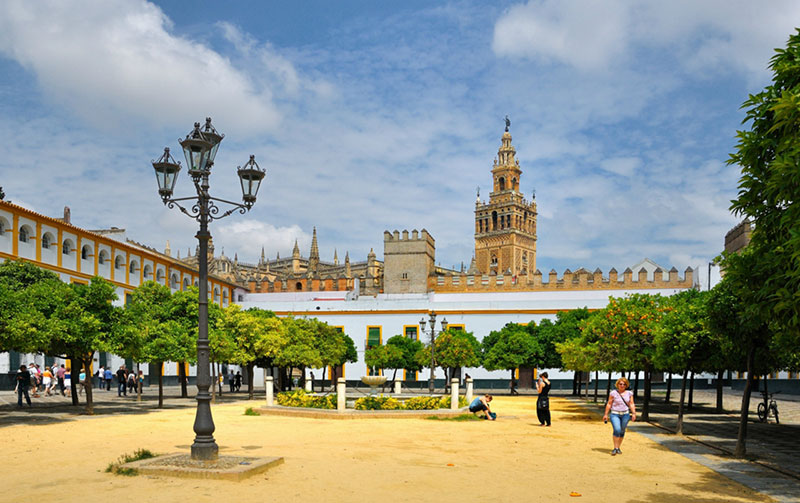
point(423, 403)
point(444, 403)
point(299, 398)
point(378, 403)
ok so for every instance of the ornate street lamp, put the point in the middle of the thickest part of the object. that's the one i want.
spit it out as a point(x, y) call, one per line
point(432, 317)
point(200, 147)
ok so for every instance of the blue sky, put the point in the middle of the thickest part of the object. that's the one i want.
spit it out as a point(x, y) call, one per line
point(373, 116)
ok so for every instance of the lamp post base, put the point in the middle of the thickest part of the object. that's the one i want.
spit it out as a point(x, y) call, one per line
point(205, 450)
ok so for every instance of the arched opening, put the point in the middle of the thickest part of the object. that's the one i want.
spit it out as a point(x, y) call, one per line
point(101, 259)
point(173, 281)
point(148, 272)
point(86, 252)
point(185, 283)
point(298, 286)
point(514, 184)
point(47, 241)
point(119, 262)
point(133, 267)
point(3, 226)
point(67, 247)
point(501, 183)
point(25, 234)
point(160, 275)
point(494, 220)
point(216, 294)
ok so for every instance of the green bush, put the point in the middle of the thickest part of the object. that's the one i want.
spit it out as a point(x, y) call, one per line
point(138, 454)
point(444, 403)
point(422, 403)
point(251, 412)
point(299, 398)
point(378, 403)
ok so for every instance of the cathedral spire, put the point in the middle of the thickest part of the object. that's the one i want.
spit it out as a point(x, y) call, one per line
point(296, 250)
point(168, 250)
point(313, 258)
point(262, 256)
point(335, 257)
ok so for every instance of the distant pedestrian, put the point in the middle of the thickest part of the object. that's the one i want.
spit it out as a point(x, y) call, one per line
point(543, 402)
point(620, 409)
point(140, 382)
point(23, 383)
point(131, 381)
point(107, 377)
point(33, 380)
point(121, 381)
point(82, 382)
point(68, 382)
point(238, 381)
point(101, 377)
point(47, 381)
point(232, 381)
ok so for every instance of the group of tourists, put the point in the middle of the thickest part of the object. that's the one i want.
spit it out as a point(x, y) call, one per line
point(32, 381)
point(235, 381)
point(620, 409)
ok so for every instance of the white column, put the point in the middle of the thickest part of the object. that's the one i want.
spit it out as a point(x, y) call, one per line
point(341, 397)
point(268, 385)
point(308, 385)
point(468, 394)
point(454, 394)
point(397, 387)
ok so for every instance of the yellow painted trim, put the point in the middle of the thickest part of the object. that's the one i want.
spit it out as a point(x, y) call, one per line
point(38, 241)
point(141, 271)
point(423, 311)
point(380, 343)
point(459, 326)
point(128, 267)
point(112, 266)
point(516, 373)
point(96, 257)
point(60, 250)
point(15, 235)
point(78, 254)
point(78, 281)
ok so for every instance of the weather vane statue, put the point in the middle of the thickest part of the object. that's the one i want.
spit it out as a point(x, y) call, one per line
point(508, 123)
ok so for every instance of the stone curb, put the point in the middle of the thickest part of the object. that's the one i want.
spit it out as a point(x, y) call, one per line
point(235, 473)
point(279, 410)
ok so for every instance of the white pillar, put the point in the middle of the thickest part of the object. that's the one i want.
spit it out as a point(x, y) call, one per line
point(308, 385)
point(397, 387)
point(468, 394)
point(454, 394)
point(341, 397)
point(269, 390)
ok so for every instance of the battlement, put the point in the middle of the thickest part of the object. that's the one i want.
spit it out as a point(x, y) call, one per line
point(393, 237)
point(578, 280)
point(738, 237)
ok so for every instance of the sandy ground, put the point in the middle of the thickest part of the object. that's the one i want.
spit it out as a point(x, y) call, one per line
point(511, 459)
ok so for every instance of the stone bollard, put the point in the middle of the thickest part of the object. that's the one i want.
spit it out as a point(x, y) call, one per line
point(309, 385)
point(468, 394)
point(397, 387)
point(454, 394)
point(270, 390)
point(341, 394)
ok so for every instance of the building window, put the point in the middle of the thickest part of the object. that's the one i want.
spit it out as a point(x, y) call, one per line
point(216, 294)
point(47, 240)
point(24, 234)
point(86, 252)
point(298, 286)
point(66, 248)
point(148, 272)
point(159, 275)
point(410, 332)
point(118, 262)
point(404, 275)
point(173, 281)
point(501, 183)
point(3, 226)
point(373, 337)
point(133, 267)
point(185, 283)
point(101, 259)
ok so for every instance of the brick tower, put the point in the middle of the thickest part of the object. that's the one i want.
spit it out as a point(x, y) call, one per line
point(505, 228)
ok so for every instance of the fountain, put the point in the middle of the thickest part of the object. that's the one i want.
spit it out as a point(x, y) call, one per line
point(373, 382)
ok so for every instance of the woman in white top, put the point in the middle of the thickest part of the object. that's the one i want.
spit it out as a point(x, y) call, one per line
point(620, 409)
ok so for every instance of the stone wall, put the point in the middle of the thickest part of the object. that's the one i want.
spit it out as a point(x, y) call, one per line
point(407, 261)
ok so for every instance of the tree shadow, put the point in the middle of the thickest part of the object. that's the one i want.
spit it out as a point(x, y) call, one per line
point(708, 489)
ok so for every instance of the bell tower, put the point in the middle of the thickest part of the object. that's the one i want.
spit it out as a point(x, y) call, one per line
point(505, 227)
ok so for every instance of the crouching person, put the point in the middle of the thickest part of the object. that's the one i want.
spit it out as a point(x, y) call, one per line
point(481, 404)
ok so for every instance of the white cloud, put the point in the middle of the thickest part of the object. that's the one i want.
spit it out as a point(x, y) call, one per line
point(623, 166)
point(247, 237)
point(115, 61)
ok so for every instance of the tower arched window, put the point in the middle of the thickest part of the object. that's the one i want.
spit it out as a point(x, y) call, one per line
point(298, 286)
point(494, 220)
point(501, 183)
point(494, 260)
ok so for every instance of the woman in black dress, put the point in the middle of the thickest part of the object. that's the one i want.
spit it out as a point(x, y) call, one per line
point(543, 402)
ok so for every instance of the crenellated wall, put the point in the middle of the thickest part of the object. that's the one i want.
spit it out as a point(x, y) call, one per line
point(578, 280)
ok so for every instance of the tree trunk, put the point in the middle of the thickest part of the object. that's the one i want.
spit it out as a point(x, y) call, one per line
point(87, 385)
point(720, 376)
point(679, 426)
point(608, 386)
point(183, 379)
point(160, 367)
point(596, 383)
point(669, 387)
point(741, 438)
point(691, 391)
point(139, 384)
point(766, 396)
point(648, 377)
point(73, 381)
point(575, 382)
point(636, 386)
point(249, 381)
point(586, 388)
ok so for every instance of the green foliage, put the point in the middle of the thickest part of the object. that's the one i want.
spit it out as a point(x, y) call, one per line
point(251, 412)
point(299, 398)
point(116, 467)
point(769, 190)
point(457, 348)
point(409, 348)
point(300, 347)
point(682, 340)
point(383, 357)
point(549, 334)
point(378, 403)
point(509, 348)
point(460, 417)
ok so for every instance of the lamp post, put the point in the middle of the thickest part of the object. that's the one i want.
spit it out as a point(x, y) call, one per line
point(432, 317)
point(200, 147)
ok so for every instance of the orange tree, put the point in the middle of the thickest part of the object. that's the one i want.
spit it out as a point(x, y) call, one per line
point(625, 336)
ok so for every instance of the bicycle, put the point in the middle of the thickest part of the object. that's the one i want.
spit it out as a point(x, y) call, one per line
point(765, 410)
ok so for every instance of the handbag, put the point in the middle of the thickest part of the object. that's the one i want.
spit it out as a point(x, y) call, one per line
point(543, 402)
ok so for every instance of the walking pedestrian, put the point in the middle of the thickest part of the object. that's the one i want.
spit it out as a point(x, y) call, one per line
point(33, 380)
point(60, 374)
point(121, 380)
point(68, 382)
point(232, 381)
point(47, 381)
point(238, 381)
point(101, 377)
point(140, 381)
point(620, 409)
point(131, 381)
point(543, 402)
point(23, 383)
point(108, 376)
